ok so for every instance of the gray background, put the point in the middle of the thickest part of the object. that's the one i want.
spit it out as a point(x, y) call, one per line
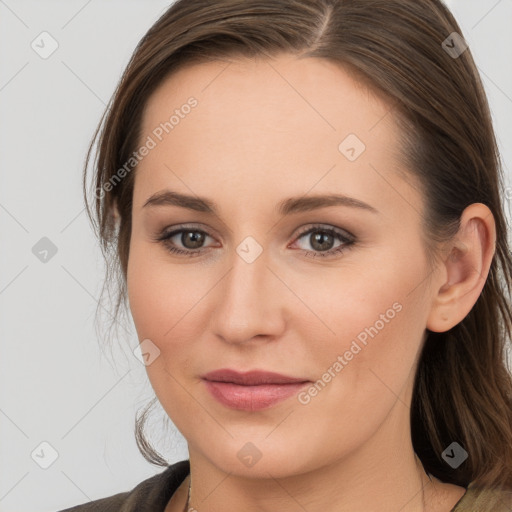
point(56, 386)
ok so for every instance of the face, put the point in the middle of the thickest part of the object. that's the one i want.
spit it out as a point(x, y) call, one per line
point(265, 275)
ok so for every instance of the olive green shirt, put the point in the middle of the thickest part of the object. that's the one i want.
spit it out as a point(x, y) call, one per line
point(153, 494)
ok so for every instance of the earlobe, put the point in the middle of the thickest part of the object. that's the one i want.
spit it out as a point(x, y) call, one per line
point(466, 269)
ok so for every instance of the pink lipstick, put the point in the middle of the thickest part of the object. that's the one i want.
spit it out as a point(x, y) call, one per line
point(253, 390)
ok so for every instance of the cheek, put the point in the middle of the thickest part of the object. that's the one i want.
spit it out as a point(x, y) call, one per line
point(366, 368)
point(375, 299)
point(147, 302)
point(159, 312)
point(159, 293)
point(375, 316)
point(167, 304)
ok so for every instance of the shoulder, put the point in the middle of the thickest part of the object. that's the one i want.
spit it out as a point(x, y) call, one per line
point(151, 494)
point(110, 504)
point(485, 499)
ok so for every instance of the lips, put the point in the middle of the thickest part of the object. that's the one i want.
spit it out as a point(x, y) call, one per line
point(251, 391)
point(251, 378)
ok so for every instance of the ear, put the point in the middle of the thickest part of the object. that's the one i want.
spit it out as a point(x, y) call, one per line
point(465, 268)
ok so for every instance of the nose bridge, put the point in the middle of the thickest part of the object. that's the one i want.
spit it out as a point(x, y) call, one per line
point(248, 302)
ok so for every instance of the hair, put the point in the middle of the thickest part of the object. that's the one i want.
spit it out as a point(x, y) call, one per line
point(463, 383)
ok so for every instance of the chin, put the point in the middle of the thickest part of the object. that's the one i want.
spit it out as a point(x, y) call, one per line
point(263, 459)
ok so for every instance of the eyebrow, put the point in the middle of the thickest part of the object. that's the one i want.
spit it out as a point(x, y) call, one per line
point(286, 207)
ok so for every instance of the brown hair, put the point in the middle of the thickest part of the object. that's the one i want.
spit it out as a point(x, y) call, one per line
point(463, 386)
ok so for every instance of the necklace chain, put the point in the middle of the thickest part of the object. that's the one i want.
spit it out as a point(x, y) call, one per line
point(189, 489)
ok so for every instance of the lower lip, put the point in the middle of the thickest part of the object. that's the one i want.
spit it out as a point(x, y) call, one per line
point(252, 398)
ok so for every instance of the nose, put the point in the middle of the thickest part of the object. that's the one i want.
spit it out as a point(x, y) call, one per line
point(250, 302)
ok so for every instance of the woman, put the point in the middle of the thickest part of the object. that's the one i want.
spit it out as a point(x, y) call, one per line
point(332, 335)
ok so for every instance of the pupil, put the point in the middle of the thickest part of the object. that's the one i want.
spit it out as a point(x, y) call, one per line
point(194, 237)
point(319, 241)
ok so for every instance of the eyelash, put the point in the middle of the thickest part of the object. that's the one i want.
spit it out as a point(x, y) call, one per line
point(164, 238)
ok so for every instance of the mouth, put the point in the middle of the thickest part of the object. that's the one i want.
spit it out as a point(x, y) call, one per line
point(253, 390)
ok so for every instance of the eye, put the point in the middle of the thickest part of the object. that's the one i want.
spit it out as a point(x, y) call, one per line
point(320, 238)
point(190, 238)
point(322, 241)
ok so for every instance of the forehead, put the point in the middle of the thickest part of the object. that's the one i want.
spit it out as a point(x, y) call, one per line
point(292, 124)
point(286, 90)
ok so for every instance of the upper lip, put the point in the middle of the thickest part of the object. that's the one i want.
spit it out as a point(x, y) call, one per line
point(250, 378)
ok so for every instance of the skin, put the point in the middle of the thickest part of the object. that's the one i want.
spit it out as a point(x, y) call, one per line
point(263, 131)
